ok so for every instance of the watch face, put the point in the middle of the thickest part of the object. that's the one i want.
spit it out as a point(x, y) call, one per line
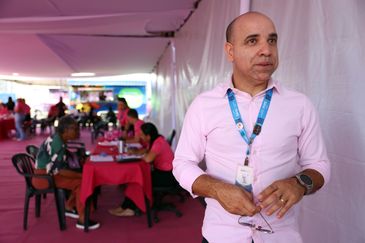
point(306, 179)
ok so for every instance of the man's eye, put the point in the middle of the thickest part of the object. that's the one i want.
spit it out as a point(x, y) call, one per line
point(251, 41)
point(272, 41)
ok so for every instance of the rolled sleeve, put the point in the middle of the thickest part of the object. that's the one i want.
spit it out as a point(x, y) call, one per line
point(312, 149)
point(190, 149)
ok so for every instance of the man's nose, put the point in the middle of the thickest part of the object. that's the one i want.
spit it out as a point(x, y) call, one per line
point(265, 49)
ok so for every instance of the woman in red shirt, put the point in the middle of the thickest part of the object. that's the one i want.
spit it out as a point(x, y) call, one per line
point(123, 109)
point(159, 153)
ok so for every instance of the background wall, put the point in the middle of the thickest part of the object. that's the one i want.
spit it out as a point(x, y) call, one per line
point(321, 47)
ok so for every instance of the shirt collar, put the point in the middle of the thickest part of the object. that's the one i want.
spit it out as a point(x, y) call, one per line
point(229, 85)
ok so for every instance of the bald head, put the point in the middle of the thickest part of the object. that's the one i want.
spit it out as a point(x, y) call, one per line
point(243, 19)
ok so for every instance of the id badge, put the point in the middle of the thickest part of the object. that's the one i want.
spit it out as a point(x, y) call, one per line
point(244, 177)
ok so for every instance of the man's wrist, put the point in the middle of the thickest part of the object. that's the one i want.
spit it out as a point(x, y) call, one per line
point(305, 182)
point(298, 185)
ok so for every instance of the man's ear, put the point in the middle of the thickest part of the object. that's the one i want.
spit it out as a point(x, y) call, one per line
point(228, 49)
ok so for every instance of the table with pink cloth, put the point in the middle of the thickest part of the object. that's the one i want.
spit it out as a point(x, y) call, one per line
point(6, 125)
point(136, 175)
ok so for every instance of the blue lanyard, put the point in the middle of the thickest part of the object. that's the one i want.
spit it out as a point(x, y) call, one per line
point(239, 122)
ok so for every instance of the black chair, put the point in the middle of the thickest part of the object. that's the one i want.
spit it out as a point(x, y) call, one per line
point(98, 131)
point(32, 150)
point(77, 147)
point(78, 150)
point(159, 204)
point(24, 164)
point(171, 137)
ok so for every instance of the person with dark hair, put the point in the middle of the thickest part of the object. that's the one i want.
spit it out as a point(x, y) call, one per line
point(61, 108)
point(261, 164)
point(110, 116)
point(132, 134)
point(10, 105)
point(52, 160)
point(123, 109)
point(158, 153)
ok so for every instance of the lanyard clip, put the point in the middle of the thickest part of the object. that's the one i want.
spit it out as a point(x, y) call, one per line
point(257, 129)
point(246, 161)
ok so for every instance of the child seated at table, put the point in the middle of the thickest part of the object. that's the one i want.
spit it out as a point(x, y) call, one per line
point(158, 153)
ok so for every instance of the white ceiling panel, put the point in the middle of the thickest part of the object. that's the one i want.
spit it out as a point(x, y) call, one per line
point(53, 38)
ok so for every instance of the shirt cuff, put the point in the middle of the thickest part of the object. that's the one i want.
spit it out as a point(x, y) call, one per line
point(188, 177)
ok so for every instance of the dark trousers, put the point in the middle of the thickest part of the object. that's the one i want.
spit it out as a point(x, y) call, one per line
point(159, 178)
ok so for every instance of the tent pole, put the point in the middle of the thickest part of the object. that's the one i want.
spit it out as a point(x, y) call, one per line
point(173, 83)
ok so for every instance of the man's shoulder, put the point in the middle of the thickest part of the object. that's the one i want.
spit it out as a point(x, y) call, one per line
point(286, 91)
point(209, 98)
point(218, 91)
point(293, 97)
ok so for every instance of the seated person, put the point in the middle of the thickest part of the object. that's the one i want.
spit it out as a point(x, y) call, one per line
point(83, 117)
point(111, 117)
point(133, 135)
point(160, 155)
point(51, 159)
point(3, 110)
point(123, 109)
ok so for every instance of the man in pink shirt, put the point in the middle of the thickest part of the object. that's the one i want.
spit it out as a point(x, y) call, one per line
point(261, 143)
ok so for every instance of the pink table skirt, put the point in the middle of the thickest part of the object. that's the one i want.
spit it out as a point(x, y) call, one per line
point(6, 125)
point(137, 176)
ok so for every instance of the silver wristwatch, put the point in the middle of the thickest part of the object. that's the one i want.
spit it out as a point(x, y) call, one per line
point(306, 181)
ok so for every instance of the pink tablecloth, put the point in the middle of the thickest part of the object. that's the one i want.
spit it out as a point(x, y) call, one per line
point(137, 176)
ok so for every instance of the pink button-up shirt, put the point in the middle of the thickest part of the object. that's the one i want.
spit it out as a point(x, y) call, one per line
point(290, 141)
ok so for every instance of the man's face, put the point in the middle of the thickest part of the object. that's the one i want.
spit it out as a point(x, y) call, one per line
point(253, 49)
point(73, 132)
point(121, 105)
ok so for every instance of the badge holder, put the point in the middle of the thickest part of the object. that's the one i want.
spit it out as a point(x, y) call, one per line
point(244, 179)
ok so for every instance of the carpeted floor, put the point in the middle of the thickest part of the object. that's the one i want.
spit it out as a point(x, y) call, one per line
point(170, 229)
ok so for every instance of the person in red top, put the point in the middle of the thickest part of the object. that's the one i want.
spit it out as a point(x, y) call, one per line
point(3, 110)
point(20, 111)
point(133, 129)
point(159, 153)
point(123, 109)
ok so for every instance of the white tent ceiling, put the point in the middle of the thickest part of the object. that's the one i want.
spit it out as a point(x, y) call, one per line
point(54, 38)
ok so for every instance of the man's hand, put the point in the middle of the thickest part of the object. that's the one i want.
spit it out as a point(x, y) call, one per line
point(280, 196)
point(232, 198)
point(235, 199)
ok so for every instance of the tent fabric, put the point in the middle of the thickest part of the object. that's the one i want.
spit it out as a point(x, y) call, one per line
point(321, 47)
point(54, 38)
point(200, 61)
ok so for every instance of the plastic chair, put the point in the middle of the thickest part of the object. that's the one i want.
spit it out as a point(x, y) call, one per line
point(171, 137)
point(32, 150)
point(24, 164)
